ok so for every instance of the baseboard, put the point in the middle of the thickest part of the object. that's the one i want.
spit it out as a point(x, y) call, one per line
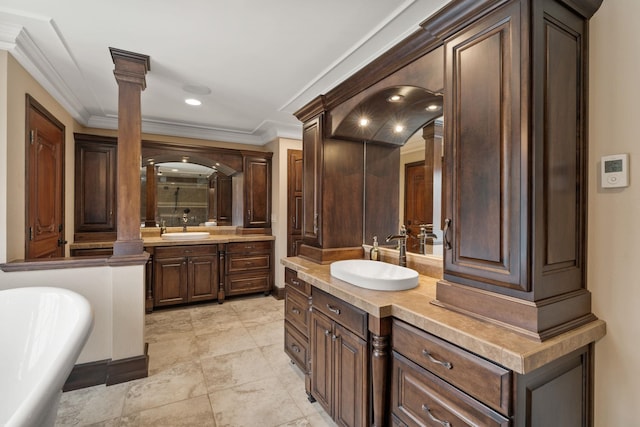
point(278, 293)
point(108, 372)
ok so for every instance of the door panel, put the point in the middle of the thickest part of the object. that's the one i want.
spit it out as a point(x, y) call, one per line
point(45, 184)
point(294, 201)
point(414, 201)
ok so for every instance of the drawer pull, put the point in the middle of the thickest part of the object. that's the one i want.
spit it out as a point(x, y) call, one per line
point(295, 282)
point(435, 419)
point(295, 311)
point(447, 365)
point(295, 348)
point(333, 309)
point(327, 332)
point(248, 263)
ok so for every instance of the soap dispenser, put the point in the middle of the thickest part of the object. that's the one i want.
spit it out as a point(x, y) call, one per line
point(374, 253)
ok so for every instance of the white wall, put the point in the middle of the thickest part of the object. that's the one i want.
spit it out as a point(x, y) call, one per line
point(614, 232)
point(279, 200)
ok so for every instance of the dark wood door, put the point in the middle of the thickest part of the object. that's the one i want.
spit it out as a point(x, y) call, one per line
point(483, 159)
point(350, 379)
point(45, 183)
point(203, 277)
point(294, 201)
point(171, 278)
point(322, 360)
point(312, 178)
point(415, 202)
point(224, 201)
point(257, 192)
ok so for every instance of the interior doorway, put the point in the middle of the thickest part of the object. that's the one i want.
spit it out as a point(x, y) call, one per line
point(44, 172)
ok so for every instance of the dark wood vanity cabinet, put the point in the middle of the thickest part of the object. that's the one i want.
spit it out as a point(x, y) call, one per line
point(297, 313)
point(248, 268)
point(95, 187)
point(185, 274)
point(339, 359)
point(434, 382)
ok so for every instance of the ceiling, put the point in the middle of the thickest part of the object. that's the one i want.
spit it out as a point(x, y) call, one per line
point(260, 60)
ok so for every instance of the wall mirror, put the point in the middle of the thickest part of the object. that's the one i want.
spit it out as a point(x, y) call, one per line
point(204, 191)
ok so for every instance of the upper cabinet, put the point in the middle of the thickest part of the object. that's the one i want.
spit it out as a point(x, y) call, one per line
point(257, 191)
point(95, 186)
point(312, 182)
point(516, 168)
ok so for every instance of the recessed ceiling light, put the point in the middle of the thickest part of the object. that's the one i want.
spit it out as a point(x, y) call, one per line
point(363, 121)
point(433, 107)
point(192, 101)
point(395, 98)
point(398, 128)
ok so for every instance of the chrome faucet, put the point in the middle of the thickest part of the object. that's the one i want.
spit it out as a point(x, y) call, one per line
point(402, 245)
point(185, 219)
point(426, 231)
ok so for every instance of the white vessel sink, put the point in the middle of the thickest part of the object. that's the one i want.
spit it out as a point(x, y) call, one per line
point(189, 235)
point(376, 275)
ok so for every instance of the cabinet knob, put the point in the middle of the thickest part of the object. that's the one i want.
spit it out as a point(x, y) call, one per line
point(295, 348)
point(295, 311)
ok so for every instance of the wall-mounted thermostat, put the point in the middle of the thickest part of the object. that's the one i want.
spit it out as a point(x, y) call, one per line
point(614, 171)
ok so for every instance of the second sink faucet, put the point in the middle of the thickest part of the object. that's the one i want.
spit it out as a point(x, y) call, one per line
point(402, 245)
point(185, 219)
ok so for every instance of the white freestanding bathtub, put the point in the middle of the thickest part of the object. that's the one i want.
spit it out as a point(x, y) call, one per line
point(42, 331)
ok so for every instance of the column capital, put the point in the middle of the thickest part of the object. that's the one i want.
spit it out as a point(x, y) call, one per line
point(130, 67)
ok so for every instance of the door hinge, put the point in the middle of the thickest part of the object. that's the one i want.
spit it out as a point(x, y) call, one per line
point(30, 233)
point(32, 136)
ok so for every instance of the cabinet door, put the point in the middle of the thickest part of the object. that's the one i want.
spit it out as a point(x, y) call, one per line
point(321, 347)
point(311, 182)
point(170, 281)
point(486, 170)
point(95, 185)
point(257, 192)
point(350, 379)
point(203, 277)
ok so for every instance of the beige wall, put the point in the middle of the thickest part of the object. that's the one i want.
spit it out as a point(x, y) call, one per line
point(614, 232)
point(279, 214)
point(4, 58)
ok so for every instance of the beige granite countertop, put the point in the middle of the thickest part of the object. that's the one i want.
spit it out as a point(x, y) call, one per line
point(151, 237)
point(413, 306)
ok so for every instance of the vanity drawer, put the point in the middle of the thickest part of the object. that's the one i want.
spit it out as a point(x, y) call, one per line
point(181, 251)
point(248, 247)
point(296, 309)
point(244, 283)
point(419, 398)
point(239, 263)
point(474, 375)
point(296, 346)
point(344, 313)
point(291, 278)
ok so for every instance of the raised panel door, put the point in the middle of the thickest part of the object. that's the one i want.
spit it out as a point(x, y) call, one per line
point(486, 178)
point(170, 284)
point(321, 347)
point(257, 192)
point(203, 277)
point(312, 178)
point(350, 378)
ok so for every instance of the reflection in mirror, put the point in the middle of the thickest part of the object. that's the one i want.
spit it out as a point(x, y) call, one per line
point(420, 189)
point(179, 186)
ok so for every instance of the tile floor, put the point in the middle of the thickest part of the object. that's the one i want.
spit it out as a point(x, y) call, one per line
point(209, 365)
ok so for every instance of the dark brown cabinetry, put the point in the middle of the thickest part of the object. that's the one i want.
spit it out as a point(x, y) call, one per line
point(248, 268)
point(257, 192)
point(434, 382)
point(297, 313)
point(185, 274)
point(95, 187)
point(312, 172)
point(339, 359)
point(515, 168)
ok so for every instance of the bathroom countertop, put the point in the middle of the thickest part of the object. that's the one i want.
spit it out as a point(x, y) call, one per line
point(498, 344)
point(159, 241)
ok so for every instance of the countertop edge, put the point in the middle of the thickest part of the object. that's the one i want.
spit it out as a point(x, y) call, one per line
point(493, 342)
